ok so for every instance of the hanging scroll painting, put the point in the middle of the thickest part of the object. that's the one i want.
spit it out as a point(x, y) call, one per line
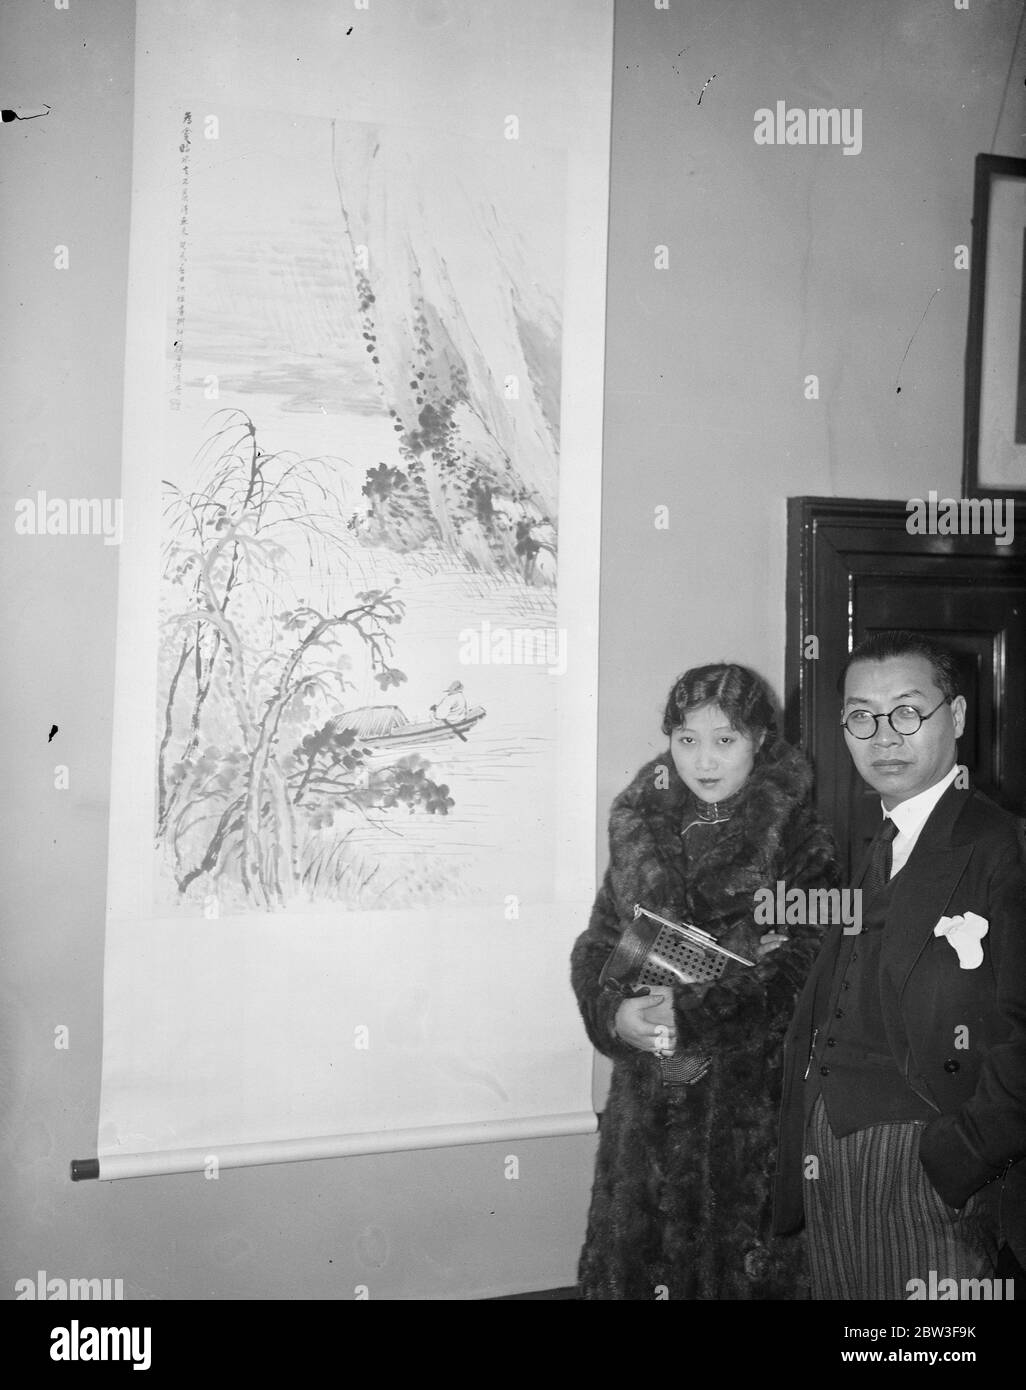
point(353, 786)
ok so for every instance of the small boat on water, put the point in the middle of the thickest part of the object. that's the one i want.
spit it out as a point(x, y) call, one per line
point(387, 727)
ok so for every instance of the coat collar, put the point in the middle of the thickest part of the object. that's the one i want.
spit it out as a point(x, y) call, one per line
point(646, 860)
point(941, 827)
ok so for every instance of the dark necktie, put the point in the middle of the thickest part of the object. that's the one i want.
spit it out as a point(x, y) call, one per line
point(879, 870)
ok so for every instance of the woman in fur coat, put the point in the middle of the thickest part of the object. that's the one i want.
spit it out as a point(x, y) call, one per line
point(681, 1205)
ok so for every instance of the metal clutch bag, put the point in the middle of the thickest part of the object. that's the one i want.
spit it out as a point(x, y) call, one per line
point(660, 952)
point(657, 952)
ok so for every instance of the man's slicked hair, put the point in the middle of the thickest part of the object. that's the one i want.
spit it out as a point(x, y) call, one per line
point(881, 646)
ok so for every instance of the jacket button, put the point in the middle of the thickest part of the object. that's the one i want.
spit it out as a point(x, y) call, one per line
point(951, 1065)
point(824, 1071)
point(839, 1013)
point(846, 985)
point(831, 1042)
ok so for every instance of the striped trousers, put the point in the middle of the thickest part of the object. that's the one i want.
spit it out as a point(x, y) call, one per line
point(875, 1221)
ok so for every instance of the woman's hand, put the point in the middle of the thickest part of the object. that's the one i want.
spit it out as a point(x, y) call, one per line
point(769, 943)
point(647, 1023)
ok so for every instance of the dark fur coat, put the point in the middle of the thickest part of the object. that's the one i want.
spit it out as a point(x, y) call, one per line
point(681, 1205)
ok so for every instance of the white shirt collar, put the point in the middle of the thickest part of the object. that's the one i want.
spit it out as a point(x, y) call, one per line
point(910, 816)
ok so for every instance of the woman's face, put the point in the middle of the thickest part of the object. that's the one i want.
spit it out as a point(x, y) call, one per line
point(712, 758)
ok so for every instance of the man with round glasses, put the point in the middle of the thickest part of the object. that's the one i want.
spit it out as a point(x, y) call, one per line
point(903, 1123)
point(903, 719)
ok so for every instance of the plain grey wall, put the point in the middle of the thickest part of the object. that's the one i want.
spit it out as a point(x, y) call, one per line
point(782, 262)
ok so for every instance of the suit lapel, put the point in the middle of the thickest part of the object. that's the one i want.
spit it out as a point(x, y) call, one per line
point(923, 888)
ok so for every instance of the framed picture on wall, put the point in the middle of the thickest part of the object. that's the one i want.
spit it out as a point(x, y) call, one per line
point(995, 383)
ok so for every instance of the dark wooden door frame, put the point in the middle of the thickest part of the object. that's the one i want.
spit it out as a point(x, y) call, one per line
point(832, 544)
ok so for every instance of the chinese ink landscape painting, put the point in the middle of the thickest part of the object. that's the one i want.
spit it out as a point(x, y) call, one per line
point(359, 646)
point(352, 828)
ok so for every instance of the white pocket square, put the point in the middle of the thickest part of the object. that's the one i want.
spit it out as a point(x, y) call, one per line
point(965, 934)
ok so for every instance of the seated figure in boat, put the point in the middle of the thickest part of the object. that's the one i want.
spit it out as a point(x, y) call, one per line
point(452, 705)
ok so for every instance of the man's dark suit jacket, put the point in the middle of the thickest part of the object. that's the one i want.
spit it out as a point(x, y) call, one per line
point(970, 857)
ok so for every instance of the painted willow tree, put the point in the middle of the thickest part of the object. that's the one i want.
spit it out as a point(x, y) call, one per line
point(251, 761)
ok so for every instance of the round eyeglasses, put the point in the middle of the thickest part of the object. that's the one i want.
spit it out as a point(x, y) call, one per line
point(903, 719)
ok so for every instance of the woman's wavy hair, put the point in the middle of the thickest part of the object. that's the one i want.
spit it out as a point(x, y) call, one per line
point(743, 697)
